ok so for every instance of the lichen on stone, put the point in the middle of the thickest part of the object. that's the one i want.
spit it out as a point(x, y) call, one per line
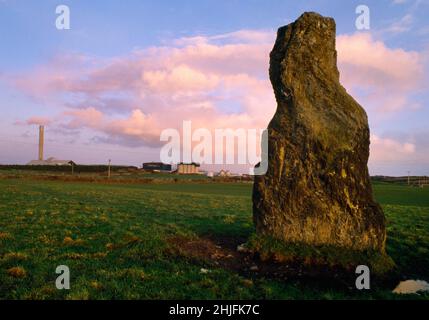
point(317, 189)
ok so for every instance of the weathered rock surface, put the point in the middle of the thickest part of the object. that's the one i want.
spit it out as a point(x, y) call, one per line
point(317, 189)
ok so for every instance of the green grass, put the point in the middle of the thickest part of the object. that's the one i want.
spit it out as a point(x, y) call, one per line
point(115, 239)
point(394, 194)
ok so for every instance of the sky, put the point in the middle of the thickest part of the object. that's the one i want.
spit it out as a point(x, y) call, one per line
point(126, 70)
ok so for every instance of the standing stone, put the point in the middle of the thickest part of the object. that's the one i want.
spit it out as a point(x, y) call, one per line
point(317, 189)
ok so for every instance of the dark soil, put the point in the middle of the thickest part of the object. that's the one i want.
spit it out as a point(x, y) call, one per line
point(214, 251)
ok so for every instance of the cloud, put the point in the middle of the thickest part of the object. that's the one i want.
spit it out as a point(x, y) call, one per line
point(240, 36)
point(89, 117)
point(217, 82)
point(35, 121)
point(138, 126)
point(396, 153)
point(403, 25)
point(383, 79)
point(220, 81)
point(180, 79)
point(385, 149)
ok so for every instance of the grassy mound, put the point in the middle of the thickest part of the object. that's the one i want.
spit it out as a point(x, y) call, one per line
point(328, 256)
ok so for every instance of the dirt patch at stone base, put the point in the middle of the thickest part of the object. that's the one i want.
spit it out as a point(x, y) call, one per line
point(215, 251)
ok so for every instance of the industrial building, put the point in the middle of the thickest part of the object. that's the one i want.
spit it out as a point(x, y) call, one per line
point(50, 161)
point(188, 168)
point(156, 166)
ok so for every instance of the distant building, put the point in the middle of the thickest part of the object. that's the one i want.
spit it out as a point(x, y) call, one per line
point(51, 162)
point(156, 166)
point(188, 168)
point(224, 173)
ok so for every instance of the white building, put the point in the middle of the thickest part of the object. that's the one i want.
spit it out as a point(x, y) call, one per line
point(224, 173)
point(188, 168)
point(50, 162)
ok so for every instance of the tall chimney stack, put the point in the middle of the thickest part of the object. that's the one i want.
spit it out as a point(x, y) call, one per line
point(41, 140)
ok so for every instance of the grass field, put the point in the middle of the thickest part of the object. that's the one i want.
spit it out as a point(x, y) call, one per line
point(152, 241)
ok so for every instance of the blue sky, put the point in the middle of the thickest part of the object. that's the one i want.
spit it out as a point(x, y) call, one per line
point(112, 27)
point(105, 32)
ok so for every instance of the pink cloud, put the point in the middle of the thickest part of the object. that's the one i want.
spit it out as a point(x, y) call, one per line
point(388, 149)
point(180, 78)
point(35, 121)
point(89, 117)
point(381, 78)
point(217, 82)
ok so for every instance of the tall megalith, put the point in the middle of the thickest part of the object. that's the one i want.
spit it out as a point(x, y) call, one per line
point(317, 189)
